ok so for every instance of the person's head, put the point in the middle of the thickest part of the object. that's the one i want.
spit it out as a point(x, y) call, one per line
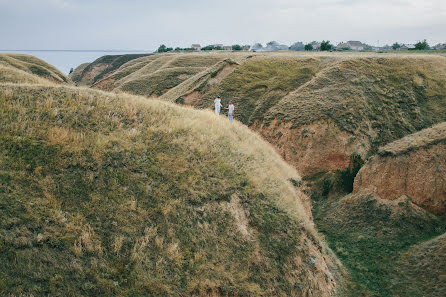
point(218, 97)
point(230, 102)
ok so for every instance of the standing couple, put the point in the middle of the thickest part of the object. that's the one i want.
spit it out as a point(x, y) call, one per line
point(230, 108)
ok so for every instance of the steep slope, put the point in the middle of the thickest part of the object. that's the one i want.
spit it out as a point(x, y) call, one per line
point(319, 110)
point(86, 75)
point(371, 235)
point(107, 194)
point(28, 69)
point(76, 75)
point(414, 166)
point(422, 269)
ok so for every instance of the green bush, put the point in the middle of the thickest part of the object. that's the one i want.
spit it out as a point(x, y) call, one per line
point(308, 47)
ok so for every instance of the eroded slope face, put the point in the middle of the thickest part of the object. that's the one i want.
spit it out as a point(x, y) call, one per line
point(20, 68)
point(319, 110)
point(106, 194)
point(414, 166)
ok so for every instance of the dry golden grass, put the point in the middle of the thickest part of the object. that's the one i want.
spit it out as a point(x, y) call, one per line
point(32, 66)
point(113, 194)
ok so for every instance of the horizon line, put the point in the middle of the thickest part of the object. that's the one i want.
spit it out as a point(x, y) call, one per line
point(72, 50)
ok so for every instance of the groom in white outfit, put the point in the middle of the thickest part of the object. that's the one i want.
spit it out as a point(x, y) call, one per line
point(218, 105)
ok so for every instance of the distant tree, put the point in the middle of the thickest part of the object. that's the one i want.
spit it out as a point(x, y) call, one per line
point(326, 46)
point(308, 47)
point(163, 49)
point(256, 47)
point(297, 46)
point(71, 70)
point(178, 49)
point(368, 47)
point(236, 47)
point(422, 45)
point(396, 46)
point(211, 48)
point(272, 43)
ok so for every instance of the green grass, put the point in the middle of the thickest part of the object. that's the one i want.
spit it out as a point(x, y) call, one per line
point(160, 81)
point(106, 194)
point(369, 234)
point(389, 97)
point(260, 83)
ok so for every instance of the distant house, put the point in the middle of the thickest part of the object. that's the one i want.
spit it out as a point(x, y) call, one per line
point(356, 45)
point(218, 45)
point(298, 46)
point(439, 46)
point(316, 46)
point(273, 46)
point(343, 46)
point(227, 47)
point(256, 47)
point(407, 46)
point(196, 47)
point(352, 44)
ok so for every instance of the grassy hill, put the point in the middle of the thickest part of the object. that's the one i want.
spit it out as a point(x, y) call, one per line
point(320, 110)
point(28, 69)
point(88, 74)
point(104, 194)
point(371, 235)
point(421, 269)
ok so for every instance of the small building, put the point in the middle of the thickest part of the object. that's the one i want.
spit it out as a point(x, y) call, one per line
point(439, 46)
point(316, 46)
point(343, 46)
point(227, 48)
point(196, 47)
point(356, 45)
point(407, 46)
point(351, 45)
point(297, 46)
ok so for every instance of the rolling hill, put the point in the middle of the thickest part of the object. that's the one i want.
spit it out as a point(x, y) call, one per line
point(320, 111)
point(112, 194)
point(28, 69)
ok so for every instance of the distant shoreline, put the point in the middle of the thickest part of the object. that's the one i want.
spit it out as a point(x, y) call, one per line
point(83, 51)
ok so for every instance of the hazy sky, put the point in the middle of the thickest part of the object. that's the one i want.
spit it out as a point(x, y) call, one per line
point(144, 24)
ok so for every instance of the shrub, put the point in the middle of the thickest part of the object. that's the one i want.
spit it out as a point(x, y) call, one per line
point(308, 47)
point(422, 45)
point(326, 45)
point(163, 49)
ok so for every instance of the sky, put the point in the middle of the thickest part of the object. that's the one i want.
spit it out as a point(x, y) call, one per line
point(145, 24)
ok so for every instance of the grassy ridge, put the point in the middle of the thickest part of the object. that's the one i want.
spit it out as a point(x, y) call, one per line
point(20, 67)
point(103, 66)
point(375, 97)
point(382, 98)
point(105, 194)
